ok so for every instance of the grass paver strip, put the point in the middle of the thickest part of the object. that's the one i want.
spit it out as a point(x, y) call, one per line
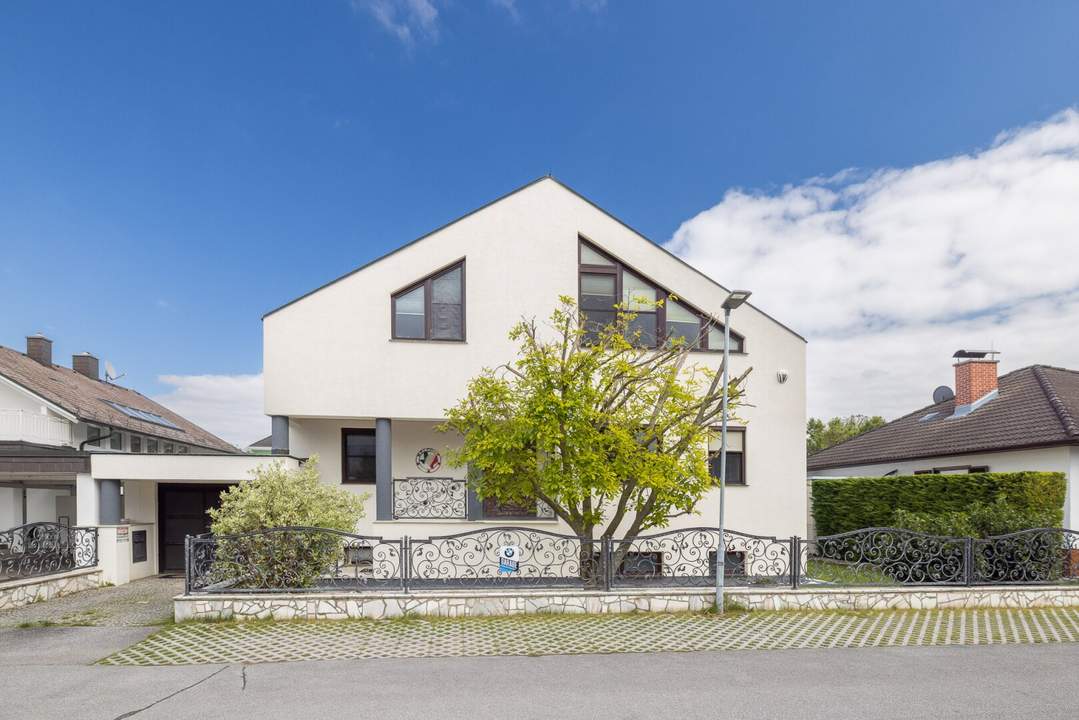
point(267, 641)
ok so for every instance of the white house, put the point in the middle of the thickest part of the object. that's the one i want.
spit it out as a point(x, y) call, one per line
point(361, 370)
point(1027, 419)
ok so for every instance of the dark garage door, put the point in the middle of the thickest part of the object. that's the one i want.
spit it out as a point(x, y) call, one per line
point(182, 512)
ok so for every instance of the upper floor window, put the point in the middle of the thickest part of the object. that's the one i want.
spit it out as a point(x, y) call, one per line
point(433, 308)
point(605, 282)
point(116, 440)
point(736, 456)
point(136, 444)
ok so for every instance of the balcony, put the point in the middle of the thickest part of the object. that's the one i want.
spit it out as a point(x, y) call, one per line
point(429, 499)
point(20, 425)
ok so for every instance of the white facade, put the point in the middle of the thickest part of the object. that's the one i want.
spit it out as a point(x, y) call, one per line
point(1062, 459)
point(330, 362)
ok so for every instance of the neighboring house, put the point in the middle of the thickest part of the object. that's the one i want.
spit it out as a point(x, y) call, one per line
point(260, 447)
point(1026, 420)
point(58, 423)
point(361, 370)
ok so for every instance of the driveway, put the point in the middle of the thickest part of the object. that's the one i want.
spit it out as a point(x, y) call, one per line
point(140, 603)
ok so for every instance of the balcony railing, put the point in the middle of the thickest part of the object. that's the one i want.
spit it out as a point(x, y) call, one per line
point(34, 427)
point(436, 498)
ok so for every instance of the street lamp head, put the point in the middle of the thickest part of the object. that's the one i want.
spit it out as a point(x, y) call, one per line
point(735, 299)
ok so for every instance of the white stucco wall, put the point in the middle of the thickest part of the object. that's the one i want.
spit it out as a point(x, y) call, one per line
point(329, 356)
point(1055, 459)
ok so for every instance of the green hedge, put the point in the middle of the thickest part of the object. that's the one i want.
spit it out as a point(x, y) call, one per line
point(843, 504)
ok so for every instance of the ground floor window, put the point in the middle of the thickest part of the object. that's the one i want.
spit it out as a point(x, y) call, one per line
point(357, 455)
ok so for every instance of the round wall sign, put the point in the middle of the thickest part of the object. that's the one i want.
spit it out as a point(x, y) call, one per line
point(428, 460)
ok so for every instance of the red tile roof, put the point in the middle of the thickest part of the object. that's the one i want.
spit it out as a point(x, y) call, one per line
point(89, 399)
point(1036, 406)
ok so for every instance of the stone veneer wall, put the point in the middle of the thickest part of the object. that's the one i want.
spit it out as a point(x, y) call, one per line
point(17, 593)
point(327, 606)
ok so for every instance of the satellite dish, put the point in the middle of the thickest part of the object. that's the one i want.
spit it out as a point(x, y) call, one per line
point(110, 372)
point(943, 394)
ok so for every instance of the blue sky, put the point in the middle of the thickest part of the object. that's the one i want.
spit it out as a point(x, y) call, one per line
point(169, 172)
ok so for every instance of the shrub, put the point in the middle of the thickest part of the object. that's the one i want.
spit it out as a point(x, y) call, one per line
point(275, 498)
point(843, 504)
point(981, 520)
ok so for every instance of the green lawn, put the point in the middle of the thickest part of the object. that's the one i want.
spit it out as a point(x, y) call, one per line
point(829, 571)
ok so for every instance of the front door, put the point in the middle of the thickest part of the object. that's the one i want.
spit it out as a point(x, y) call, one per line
point(182, 512)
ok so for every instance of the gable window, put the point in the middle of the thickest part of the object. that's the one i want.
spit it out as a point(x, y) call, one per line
point(736, 456)
point(606, 283)
point(433, 308)
point(357, 456)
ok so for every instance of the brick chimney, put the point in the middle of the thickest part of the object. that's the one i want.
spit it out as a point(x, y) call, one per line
point(39, 348)
point(85, 364)
point(975, 376)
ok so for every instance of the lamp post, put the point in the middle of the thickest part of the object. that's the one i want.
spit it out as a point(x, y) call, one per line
point(734, 300)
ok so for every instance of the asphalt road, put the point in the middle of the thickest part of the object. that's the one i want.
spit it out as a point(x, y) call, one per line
point(1014, 681)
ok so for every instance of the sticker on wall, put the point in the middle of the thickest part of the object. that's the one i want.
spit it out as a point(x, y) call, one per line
point(428, 460)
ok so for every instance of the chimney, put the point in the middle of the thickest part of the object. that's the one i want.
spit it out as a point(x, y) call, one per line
point(85, 364)
point(975, 376)
point(39, 348)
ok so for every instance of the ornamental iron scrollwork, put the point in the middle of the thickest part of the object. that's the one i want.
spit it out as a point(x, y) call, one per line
point(46, 548)
point(293, 558)
point(688, 558)
point(423, 498)
point(889, 556)
point(474, 558)
point(1035, 556)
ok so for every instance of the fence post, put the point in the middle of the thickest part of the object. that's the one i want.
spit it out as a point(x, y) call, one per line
point(796, 561)
point(187, 564)
point(968, 560)
point(406, 556)
point(605, 562)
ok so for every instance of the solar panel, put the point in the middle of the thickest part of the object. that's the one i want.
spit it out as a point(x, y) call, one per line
point(144, 415)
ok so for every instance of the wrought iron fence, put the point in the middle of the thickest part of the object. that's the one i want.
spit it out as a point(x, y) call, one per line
point(429, 498)
point(689, 558)
point(293, 559)
point(499, 556)
point(46, 548)
point(894, 556)
point(316, 559)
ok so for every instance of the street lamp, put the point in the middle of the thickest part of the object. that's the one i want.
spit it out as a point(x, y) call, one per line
point(733, 301)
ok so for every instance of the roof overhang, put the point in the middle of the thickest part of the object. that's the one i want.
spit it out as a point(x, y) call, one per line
point(5, 380)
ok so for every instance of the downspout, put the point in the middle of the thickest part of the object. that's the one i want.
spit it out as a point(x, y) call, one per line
point(82, 445)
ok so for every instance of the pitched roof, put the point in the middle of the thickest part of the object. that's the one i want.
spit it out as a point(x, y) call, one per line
point(511, 193)
point(1036, 406)
point(264, 442)
point(89, 399)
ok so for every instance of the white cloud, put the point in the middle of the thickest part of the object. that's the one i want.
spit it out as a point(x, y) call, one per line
point(888, 272)
point(229, 406)
point(407, 20)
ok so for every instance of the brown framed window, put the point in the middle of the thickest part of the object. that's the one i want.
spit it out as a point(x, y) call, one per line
point(357, 455)
point(736, 456)
point(605, 283)
point(433, 308)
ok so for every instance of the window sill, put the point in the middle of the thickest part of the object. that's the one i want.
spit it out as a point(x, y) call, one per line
point(424, 340)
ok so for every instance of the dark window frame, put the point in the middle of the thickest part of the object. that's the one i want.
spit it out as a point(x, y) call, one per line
point(744, 453)
point(426, 283)
point(617, 268)
point(345, 433)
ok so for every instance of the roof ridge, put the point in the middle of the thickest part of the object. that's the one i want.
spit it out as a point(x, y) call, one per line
point(1071, 427)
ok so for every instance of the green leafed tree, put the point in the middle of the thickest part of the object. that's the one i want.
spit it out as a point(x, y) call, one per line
point(821, 434)
point(611, 435)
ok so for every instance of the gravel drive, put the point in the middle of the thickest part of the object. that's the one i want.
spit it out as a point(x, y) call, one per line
point(142, 602)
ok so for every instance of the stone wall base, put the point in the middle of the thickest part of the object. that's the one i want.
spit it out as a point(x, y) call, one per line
point(327, 606)
point(16, 593)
